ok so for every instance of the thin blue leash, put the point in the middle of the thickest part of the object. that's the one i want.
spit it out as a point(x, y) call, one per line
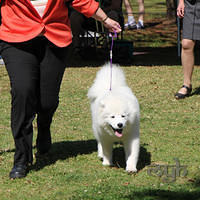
point(111, 55)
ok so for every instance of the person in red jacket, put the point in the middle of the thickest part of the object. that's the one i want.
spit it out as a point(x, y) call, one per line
point(35, 37)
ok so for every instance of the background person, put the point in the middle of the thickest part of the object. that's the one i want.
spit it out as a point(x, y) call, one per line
point(189, 10)
point(131, 24)
point(35, 36)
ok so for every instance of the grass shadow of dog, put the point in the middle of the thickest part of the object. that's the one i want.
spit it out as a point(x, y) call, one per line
point(119, 158)
point(68, 149)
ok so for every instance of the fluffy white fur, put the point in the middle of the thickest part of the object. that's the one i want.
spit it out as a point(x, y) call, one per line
point(115, 116)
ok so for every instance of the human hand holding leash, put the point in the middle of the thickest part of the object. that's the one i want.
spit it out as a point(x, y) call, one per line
point(109, 23)
point(112, 25)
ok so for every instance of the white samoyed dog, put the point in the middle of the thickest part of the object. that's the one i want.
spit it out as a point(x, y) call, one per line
point(115, 115)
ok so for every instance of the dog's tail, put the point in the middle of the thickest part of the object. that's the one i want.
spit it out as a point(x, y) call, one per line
point(107, 78)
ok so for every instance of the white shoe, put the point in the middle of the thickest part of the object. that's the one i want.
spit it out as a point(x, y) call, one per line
point(140, 25)
point(130, 26)
point(1, 62)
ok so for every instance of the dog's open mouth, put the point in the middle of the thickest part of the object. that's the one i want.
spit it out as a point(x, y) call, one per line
point(118, 132)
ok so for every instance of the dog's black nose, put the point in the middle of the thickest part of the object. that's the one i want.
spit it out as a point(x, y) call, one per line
point(120, 125)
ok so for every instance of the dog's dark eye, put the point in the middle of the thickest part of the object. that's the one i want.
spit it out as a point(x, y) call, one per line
point(112, 116)
point(123, 116)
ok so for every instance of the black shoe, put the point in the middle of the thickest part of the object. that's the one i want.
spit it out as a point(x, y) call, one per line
point(187, 94)
point(18, 171)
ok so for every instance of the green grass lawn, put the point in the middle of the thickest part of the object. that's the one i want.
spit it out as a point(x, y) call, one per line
point(169, 129)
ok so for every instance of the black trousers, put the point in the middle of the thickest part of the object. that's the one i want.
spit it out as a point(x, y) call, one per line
point(35, 69)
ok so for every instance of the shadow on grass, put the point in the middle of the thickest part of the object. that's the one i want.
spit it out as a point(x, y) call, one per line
point(119, 158)
point(164, 195)
point(192, 192)
point(6, 151)
point(196, 91)
point(67, 149)
point(64, 150)
point(156, 56)
point(143, 56)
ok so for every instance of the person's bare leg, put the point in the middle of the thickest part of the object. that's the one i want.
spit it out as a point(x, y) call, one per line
point(187, 58)
point(141, 10)
point(131, 24)
point(128, 7)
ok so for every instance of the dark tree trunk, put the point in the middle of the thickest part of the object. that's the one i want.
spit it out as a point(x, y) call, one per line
point(171, 8)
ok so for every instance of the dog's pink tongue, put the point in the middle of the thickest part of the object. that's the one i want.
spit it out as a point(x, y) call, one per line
point(118, 134)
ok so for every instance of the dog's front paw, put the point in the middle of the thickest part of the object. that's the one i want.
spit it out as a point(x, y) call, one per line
point(100, 157)
point(107, 162)
point(131, 169)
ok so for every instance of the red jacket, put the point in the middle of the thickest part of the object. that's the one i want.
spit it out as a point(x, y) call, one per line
point(21, 22)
